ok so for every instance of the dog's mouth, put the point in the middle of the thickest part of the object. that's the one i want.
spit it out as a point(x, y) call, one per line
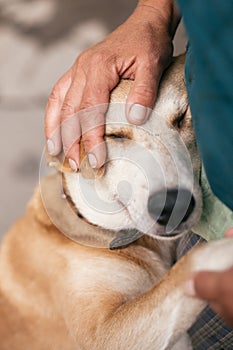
point(168, 213)
point(150, 223)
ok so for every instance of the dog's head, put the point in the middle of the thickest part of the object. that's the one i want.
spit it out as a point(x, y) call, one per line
point(150, 181)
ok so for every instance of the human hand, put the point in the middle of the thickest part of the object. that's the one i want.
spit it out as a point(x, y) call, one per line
point(140, 49)
point(216, 288)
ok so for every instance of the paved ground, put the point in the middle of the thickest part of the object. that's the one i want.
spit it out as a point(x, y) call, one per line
point(39, 39)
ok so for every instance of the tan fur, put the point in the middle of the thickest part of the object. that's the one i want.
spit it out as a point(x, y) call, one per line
point(58, 294)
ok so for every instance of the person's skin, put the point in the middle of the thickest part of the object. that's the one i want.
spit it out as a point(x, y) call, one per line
point(216, 288)
point(140, 49)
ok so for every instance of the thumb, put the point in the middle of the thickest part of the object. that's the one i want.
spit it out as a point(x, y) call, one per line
point(204, 285)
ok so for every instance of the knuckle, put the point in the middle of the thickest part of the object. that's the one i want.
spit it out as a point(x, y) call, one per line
point(96, 100)
point(54, 95)
point(92, 123)
point(92, 135)
point(100, 90)
point(144, 90)
point(87, 142)
point(90, 56)
point(87, 102)
point(98, 58)
point(154, 63)
point(161, 62)
point(67, 108)
point(81, 59)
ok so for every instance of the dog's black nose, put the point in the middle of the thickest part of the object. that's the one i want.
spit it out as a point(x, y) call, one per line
point(161, 205)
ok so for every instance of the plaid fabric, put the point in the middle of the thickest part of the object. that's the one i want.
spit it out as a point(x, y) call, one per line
point(208, 332)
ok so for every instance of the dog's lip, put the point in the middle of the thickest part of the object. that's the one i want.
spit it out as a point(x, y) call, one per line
point(171, 235)
point(159, 231)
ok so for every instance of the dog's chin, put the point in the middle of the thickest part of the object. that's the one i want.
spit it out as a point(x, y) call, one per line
point(156, 231)
point(161, 234)
point(165, 233)
point(130, 218)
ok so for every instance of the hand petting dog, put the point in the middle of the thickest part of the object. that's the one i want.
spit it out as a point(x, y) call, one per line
point(140, 50)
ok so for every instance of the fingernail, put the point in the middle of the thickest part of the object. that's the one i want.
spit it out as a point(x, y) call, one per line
point(73, 165)
point(137, 113)
point(189, 288)
point(51, 147)
point(92, 160)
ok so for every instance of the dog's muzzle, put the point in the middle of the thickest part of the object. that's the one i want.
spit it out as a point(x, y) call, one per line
point(171, 208)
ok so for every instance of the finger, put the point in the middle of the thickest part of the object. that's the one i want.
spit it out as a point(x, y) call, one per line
point(73, 96)
point(207, 285)
point(52, 116)
point(225, 312)
point(227, 318)
point(93, 128)
point(216, 307)
point(219, 294)
point(142, 95)
point(94, 105)
point(215, 286)
point(71, 133)
point(74, 157)
point(229, 233)
point(70, 127)
point(203, 285)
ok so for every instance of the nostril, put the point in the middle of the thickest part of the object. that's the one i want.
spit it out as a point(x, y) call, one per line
point(168, 207)
point(161, 205)
point(189, 209)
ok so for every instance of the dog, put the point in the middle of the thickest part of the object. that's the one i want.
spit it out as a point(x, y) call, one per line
point(91, 263)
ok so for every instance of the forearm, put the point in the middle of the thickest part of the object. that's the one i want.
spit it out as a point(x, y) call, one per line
point(168, 9)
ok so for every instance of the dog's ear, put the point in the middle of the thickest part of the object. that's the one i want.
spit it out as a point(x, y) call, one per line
point(61, 163)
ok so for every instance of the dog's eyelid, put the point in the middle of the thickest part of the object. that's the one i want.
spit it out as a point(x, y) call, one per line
point(120, 133)
point(116, 135)
point(178, 120)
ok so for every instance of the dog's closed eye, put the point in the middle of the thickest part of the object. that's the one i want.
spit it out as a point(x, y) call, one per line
point(115, 136)
point(120, 134)
point(178, 121)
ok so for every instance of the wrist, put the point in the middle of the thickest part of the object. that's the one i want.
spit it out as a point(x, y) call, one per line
point(163, 13)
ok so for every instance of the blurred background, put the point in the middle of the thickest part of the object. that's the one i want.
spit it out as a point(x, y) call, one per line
point(39, 41)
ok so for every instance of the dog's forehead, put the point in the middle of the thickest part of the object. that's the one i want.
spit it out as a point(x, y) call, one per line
point(171, 102)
